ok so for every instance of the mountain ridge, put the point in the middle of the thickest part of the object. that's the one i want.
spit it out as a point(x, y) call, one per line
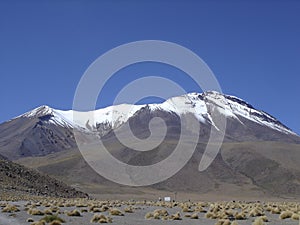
point(116, 115)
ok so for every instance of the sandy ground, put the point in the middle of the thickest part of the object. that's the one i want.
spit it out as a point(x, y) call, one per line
point(135, 218)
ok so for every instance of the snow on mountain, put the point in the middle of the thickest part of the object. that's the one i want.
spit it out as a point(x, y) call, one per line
point(241, 108)
point(199, 104)
point(113, 116)
point(50, 115)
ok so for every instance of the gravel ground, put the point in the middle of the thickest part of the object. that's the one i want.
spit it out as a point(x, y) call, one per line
point(135, 218)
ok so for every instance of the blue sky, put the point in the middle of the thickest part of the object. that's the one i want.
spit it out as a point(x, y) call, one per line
point(252, 47)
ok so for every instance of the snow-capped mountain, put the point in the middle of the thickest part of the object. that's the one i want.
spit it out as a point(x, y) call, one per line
point(258, 152)
point(195, 103)
point(45, 130)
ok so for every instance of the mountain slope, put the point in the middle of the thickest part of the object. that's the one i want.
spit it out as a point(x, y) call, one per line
point(16, 179)
point(26, 136)
point(241, 169)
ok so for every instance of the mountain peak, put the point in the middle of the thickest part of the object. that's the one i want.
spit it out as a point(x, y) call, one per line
point(39, 111)
point(50, 115)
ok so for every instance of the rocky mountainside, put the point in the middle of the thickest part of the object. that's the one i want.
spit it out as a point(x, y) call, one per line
point(17, 179)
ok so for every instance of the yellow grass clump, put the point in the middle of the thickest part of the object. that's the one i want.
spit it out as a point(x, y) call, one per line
point(38, 223)
point(158, 214)
point(285, 214)
point(187, 209)
point(258, 221)
point(35, 212)
point(264, 218)
point(97, 210)
point(161, 212)
point(128, 209)
point(115, 212)
point(210, 215)
point(74, 212)
point(81, 205)
point(48, 212)
point(240, 216)
point(175, 216)
point(200, 209)
point(276, 210)
point(149, 215)
point(194, 216)
point(55, 222)
point(51, 218)
point(10, 209)
point(295, 216)
point(100, 218)
point(256, 212)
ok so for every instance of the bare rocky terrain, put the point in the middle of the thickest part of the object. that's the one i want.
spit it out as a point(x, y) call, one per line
point(17, 180)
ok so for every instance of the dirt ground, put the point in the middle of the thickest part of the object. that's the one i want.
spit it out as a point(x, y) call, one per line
point(137, 217)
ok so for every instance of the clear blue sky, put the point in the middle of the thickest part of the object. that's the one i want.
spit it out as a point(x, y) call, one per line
point(253, 48)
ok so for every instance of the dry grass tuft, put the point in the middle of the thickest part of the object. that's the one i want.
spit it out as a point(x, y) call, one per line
point(285, 214)
point(115, 212)
point(10, 209)
point(97, 217)
point(240, 216)
point(295, 216)
point(276, 210)
point(158, 214)
point(161, 212)
point(258, 221)
point(187, 209)
point(35, 212)
point(74, 212)
point(39, 223)
point(100, 218)
point(264, 218)
point(96, 210)
point(175, 216)
point(194, 216)
point(128, 210)
point(223, 222)
point(55, 222)
point(48, 212)
point(210, 215)
point(200, 209)
point(51, 218)
point(256, 212)
point(149, 215)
